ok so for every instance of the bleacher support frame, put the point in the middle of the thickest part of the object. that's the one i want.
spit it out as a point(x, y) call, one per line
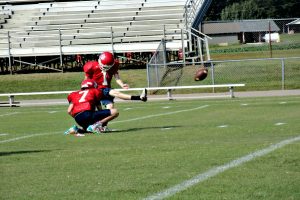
point(60, 45)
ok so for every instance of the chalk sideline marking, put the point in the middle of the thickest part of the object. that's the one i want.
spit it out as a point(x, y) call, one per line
point(128, 120)
point(217, 170)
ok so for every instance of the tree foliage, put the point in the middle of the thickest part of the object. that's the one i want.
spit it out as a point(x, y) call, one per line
point(253, 9)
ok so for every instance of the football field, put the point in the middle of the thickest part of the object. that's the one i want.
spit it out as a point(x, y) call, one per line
point(241, 148)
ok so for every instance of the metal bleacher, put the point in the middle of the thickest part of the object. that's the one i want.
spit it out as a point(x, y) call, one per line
point(85, 27)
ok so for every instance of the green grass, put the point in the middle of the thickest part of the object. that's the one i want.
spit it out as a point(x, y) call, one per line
point(288, 46)
point(256, 54)
point(156, 145)
point(60, 81)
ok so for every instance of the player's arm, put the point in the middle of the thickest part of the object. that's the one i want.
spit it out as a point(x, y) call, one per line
point(120, 82)
point(87, 77)
point(88, 71)
point(70, 108)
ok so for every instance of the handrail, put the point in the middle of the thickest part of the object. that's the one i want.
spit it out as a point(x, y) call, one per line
point(201, 33)
point(193, 34)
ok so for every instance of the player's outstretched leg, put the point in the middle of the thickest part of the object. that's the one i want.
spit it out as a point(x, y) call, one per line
point(143, 95)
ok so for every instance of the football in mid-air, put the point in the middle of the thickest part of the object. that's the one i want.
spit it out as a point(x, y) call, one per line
point(201, 74)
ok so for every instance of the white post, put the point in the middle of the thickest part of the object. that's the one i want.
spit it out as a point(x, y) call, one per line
point(11, 100)
point(170, 94)
point(207, 49)
point(231, 92)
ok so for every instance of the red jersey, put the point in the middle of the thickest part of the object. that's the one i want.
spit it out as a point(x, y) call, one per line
point(84, 100)
point(103, 79)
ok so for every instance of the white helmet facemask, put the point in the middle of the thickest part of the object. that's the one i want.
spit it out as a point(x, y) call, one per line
point(105, 67)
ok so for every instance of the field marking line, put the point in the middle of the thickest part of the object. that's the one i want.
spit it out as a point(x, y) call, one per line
point(158, 115)
point(128, 120)
point(28, 136)
point(217, 170)
point(44, 103)
point(280, 124)
point(8, 114)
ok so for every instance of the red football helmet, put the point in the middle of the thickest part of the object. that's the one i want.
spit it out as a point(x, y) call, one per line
point(106, 60)
point(88, 83)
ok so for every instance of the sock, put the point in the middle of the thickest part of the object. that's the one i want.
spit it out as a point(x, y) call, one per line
point(135, 98)
point(81, 131)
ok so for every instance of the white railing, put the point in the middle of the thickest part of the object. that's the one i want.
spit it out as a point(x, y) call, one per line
point(11, 96)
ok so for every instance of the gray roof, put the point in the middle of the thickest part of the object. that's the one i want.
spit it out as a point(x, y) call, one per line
point(297, 21)
point(239, 26)
point(215, 28)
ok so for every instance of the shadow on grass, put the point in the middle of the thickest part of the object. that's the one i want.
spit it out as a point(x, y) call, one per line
point(22, 152)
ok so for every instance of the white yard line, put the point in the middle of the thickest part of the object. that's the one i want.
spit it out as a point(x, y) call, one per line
point(217, 170)
point(128, 120)
point(28, 136)
point(8, 114)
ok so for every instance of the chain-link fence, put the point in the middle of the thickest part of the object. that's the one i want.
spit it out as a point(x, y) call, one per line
point(263, 54)
point(154, 72)
point(257, 74)
point(264, 38)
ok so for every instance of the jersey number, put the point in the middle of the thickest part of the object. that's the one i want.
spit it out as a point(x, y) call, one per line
point(84, 93)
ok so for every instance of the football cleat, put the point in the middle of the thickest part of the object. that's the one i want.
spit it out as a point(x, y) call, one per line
point(73, 130)
point(105, 129)
point(143, 96)
point(95, 128)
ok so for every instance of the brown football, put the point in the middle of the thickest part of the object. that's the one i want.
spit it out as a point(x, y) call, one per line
point(201, 74)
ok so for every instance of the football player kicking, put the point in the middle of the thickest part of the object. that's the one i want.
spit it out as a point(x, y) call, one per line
point(102, 72)
point(83, 104)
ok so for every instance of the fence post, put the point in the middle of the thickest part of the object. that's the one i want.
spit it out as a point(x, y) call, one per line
point(199, 50)
point(190, 42)
point(212, 75)
point(282, 74)
point(60, 48)
point(164, 52)
point(207, 48)
point(164, 31)
point(112, 39)
point(9, 54)
point(183, 47)
point(148, 75)
point(270, 40)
